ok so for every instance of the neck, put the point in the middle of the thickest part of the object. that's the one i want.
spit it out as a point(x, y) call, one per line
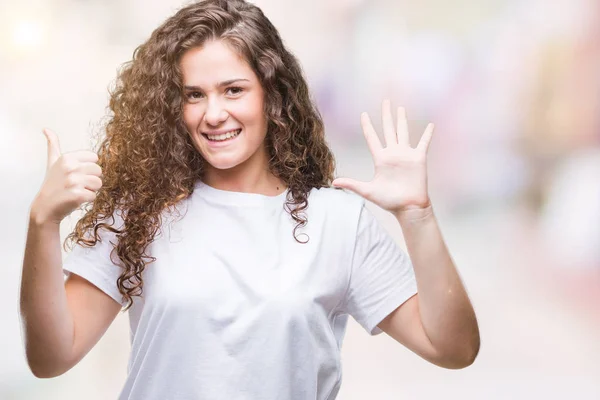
point(245, 178)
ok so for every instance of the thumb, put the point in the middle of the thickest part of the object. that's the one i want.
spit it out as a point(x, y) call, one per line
point(358, 187)
point(53, 147)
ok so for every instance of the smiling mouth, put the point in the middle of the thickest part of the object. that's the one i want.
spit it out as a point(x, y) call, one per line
point(222, 138)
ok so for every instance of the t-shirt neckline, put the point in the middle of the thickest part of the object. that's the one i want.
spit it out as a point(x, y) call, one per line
point(238, 198)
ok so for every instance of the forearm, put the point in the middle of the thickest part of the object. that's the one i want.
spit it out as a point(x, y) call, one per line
point(446, 312)
point(46, 321)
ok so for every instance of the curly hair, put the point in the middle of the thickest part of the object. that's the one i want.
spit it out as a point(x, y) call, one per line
point(148, 161)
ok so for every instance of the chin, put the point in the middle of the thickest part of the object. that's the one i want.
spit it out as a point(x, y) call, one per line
point(223, 164)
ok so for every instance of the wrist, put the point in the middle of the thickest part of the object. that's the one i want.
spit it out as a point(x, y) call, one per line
point(39, 219)
point(415, 214)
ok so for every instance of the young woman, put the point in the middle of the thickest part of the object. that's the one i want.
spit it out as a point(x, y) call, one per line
point(215, 221)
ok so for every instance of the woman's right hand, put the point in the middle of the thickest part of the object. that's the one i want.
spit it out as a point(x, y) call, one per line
point(71, 180)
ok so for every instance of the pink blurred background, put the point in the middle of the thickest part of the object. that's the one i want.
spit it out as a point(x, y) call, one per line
point(514, 90)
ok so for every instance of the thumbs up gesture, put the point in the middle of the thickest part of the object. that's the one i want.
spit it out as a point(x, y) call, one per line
point(71, 180)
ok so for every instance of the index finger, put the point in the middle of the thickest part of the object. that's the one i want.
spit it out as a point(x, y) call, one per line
point(85, 156)
point(370, 135)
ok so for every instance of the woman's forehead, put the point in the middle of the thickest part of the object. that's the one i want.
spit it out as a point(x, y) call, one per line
point(213, 63)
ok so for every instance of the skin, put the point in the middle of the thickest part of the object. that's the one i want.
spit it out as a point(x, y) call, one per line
point(242, 165)
point(61, 321)
point(439, 322)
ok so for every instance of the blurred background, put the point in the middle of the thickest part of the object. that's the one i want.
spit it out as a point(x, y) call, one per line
point(513, 87)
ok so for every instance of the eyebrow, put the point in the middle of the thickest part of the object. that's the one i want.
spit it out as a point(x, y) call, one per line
point(220, 84)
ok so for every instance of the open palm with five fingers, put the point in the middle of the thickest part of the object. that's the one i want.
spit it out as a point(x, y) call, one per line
point(400, 181)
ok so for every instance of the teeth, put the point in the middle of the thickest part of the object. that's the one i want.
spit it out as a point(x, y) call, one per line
point(224, 136)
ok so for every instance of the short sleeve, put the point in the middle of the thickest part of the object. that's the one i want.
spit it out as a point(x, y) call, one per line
point(381, 276)
point(94, 263)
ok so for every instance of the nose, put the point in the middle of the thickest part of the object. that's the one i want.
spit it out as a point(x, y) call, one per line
point(215, 114)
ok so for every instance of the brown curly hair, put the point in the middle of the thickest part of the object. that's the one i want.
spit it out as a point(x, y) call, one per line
point(148, 161)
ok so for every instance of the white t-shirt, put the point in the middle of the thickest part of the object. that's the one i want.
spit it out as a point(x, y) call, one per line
point(235, 308)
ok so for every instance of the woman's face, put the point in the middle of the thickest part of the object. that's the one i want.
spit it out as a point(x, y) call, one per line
point(224, 106)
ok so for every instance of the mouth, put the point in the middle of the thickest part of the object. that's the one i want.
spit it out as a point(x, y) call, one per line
point(226, 137)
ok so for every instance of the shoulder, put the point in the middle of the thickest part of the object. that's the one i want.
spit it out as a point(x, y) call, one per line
point(336, 201)
point(334, 194)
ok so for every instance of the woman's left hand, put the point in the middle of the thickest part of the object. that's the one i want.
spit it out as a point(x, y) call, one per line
point(400, 181)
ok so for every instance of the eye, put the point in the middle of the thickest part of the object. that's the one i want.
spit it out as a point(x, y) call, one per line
point(193, 95)
point(234, 90)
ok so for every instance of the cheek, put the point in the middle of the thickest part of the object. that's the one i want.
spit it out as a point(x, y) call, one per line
point(191, 116)
point(253, 113)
